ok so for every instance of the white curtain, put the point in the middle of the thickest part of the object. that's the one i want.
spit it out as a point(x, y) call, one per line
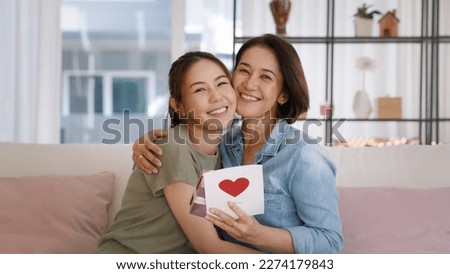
point(30, 54)
point(397, 66)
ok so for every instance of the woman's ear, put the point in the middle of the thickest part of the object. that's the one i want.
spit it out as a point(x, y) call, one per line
point(283, 98)
point(177, 107)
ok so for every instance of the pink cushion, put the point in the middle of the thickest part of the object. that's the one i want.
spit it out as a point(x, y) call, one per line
point(395, 220)
point(54, 214)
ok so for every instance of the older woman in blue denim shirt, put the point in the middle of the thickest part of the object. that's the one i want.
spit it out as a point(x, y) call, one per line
point(299, 194)
point(301, 201)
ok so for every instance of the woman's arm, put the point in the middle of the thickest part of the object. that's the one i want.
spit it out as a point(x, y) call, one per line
point(201, 233)
point(313, 188)
point(247, 229)
point(145, 151)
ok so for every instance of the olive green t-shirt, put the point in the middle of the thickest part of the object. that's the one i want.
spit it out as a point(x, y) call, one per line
point(145, 223)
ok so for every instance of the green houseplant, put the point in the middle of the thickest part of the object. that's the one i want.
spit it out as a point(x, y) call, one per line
point(363, 12)
point(364, 20)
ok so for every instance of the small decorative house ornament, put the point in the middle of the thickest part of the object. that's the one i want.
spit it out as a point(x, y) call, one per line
point(389, 24)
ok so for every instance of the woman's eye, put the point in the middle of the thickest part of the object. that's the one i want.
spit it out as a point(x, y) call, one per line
point(243, 71)
point(199, 90)
point(222, 83)
point(266, 77)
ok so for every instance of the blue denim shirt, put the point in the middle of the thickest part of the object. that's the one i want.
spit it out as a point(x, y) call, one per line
point(299, 187)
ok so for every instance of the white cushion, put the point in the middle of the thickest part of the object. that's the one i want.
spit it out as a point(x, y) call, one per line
point(410, 166)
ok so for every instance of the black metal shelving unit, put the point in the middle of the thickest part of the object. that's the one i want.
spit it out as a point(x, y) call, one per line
point(429, 41)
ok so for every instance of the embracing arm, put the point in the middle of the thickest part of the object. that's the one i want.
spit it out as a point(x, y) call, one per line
point(313, 188)
point(201, 233)
point(145, 151)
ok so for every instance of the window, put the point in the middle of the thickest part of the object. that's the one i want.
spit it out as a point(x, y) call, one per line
point(116, 57)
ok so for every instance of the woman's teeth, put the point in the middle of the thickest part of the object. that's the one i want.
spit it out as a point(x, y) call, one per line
point(218, 111)
point(248, 97)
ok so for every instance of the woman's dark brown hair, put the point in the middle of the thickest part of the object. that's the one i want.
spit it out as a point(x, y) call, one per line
point(294, 81)
point(177, 73)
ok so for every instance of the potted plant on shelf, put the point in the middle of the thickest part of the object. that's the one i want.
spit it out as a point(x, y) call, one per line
point(364, 20)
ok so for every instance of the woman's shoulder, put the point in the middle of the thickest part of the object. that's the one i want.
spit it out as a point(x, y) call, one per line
point(311, 155)
point(300, 139)
point(175, 143)
point(305, 148)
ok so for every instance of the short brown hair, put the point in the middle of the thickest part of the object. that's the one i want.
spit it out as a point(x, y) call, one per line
point(294, 81)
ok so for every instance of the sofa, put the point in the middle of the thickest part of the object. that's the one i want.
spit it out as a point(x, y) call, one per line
point(60, 198)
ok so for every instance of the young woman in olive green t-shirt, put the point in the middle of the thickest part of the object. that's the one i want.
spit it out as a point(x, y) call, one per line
point(155, 217)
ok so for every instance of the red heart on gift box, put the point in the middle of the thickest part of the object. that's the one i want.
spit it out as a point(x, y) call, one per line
point(234, 188)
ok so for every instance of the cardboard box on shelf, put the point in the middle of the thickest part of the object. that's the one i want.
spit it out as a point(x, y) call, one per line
point(389, 107)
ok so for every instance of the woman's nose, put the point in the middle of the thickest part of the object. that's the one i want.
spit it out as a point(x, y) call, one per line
point(251, 82)
point(215, 95)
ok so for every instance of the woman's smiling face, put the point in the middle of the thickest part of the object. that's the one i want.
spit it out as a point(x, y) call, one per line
point(209, 100)
point(258, 82)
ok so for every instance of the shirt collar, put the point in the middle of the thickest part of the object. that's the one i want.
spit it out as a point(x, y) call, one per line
point(273, 143)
